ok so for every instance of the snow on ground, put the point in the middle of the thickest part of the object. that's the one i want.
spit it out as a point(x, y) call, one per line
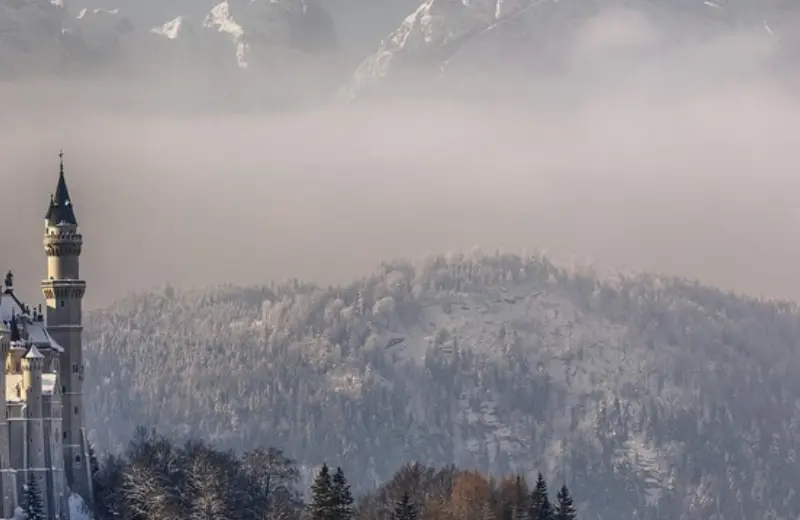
point(77, 508)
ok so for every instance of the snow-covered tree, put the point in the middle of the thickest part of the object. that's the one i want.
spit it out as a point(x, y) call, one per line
point(323, 499)
point(565, 509)
point(404, 509)
point(343, 497)
point(33, 505)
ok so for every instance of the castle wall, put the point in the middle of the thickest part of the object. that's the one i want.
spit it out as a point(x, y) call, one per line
point(35, 431)
point(7, 475)
point(48, 466)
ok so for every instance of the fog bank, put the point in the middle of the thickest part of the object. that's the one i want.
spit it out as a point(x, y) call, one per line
point(666, 168)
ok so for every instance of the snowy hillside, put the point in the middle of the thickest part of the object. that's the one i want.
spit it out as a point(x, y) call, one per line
point(651, 394)
point(252, 31)
point(514, 36)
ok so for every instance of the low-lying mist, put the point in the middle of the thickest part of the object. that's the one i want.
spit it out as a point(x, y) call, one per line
point(677, 166)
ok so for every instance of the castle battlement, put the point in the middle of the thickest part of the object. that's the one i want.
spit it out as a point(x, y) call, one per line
point(42, 433)
point(52, 235)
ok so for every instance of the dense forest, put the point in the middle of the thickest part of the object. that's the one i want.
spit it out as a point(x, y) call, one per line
point(156, 480)
point(654, 397)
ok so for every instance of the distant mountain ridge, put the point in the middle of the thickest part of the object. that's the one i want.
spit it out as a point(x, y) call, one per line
point(308, 49)
point(232, 33)
point(501, 37)
point(657, 397)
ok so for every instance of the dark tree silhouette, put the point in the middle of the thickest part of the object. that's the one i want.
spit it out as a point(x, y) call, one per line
point(323, 500)
point(565, 509)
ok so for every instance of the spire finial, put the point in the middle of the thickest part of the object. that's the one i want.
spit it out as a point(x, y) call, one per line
point(60, 209)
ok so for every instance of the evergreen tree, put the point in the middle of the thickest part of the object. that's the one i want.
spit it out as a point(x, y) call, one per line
point(404, 509)
point(541, 509)
point(32, 500)
point(519, 506)
point(323, 501)
point(343, 497)
point(565, 509)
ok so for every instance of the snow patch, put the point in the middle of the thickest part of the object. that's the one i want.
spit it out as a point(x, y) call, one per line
point(169, 30)
point(77, 508)
point(221, 20)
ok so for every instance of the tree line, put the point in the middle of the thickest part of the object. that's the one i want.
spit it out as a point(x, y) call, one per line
point(156, 479)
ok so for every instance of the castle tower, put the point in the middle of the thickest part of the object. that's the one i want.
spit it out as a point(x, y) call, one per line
point(32, 365)
point(63, 291)
point(8, 481)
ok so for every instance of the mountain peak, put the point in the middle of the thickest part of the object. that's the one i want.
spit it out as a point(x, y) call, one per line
point(221, 19)
point(171, 29)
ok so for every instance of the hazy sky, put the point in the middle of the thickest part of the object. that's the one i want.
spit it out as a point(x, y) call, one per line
point(685, 168)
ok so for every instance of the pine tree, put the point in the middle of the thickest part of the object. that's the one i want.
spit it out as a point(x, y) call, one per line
point(519, 506)
point(546, 511)
point(323, 500)
point(343, 497)
point(565, 509)
point(404, 509)
point(540, 501)
point(32, 500)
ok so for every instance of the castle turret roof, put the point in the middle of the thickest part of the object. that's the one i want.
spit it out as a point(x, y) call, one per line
point(61, 209)
point(33, 353)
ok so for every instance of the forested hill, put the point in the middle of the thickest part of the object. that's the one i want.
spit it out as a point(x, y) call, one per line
point(656, 397)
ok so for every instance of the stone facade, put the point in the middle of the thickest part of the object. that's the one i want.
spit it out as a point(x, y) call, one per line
point(42, 433)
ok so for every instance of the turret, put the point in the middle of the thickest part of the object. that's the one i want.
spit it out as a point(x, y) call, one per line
point(62, 242)
point(32, 365)
point(63, 291)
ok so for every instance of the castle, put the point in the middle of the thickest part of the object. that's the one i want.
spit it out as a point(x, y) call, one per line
point(42, 434)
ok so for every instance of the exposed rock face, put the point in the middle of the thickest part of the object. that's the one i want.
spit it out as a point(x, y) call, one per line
point(35, 34)
point(534, 36)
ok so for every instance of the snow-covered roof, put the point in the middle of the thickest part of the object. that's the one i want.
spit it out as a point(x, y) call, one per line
point(33, 330)
point(9, 306)
point(37, 333)
point(33, 353)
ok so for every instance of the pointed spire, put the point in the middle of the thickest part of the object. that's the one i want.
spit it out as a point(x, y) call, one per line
point(61, 209)
point(33, 353)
